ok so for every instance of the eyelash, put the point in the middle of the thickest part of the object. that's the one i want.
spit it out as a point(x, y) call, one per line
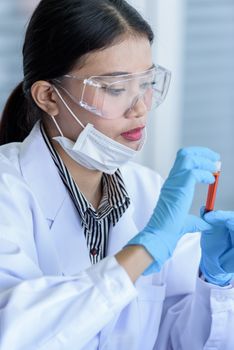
point(117, 92)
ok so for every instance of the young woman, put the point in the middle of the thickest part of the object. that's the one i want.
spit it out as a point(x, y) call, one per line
point(93, 252)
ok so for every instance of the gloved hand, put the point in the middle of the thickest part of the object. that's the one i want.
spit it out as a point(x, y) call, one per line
point(170, 219)
point(217, 244)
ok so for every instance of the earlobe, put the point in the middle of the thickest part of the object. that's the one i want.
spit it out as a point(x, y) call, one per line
point(43, 95)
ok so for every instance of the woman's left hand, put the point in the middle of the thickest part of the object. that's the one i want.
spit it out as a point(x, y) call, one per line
point(217, 244)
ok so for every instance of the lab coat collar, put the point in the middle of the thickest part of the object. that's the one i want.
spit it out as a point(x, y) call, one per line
point(37, 167)
point(122, 232)
point(126, 227)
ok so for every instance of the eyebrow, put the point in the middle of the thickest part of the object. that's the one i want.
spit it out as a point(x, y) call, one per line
point(121, 73)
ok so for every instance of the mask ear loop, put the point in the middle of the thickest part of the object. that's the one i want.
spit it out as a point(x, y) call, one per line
point(54, 120)
point(69, 109)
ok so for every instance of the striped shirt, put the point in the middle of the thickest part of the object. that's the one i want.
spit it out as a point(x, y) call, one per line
point(96, 223)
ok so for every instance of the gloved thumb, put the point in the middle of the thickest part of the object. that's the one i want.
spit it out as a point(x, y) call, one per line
point(218, 217)
point(202, 211)
point(195, 224)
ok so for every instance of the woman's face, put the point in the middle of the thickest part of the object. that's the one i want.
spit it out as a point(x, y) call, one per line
point(132, 55)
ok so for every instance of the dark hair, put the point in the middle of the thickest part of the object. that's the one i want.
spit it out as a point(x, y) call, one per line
point(58, 36)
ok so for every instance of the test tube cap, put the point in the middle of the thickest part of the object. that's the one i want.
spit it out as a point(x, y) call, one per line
point(218, 165)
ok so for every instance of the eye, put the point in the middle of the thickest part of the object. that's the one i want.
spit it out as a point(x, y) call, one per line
point(113, 91)
point(147, 85)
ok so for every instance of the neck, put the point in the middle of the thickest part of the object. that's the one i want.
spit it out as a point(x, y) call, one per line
point(88, 181)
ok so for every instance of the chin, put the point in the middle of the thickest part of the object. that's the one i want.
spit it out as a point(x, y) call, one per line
point(133, 144)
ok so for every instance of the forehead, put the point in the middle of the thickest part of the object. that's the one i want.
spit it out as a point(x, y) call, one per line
point(131, 55)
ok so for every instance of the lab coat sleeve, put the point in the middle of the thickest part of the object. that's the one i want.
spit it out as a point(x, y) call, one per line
point(36, 310)
point(203, 320)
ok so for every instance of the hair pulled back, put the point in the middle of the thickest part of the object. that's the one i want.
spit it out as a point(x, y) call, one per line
point(58, 36)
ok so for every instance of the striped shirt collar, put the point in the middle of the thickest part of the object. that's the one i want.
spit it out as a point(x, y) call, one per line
point(115, 198)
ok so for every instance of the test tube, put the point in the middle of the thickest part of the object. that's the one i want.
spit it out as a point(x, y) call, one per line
point(211, 195)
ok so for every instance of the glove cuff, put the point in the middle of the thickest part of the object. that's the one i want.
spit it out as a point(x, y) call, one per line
point(155, 246)
point(218, 276)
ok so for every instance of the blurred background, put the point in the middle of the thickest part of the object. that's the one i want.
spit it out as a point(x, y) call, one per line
point(193, 39)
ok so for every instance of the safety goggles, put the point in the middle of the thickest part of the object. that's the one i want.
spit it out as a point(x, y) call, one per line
point(112, 97)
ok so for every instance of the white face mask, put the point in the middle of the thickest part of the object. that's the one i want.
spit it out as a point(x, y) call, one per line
point(93, 149)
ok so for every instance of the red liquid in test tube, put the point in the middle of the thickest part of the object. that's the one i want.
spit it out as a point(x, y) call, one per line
point(211, 195)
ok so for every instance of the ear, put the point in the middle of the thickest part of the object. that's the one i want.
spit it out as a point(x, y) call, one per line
point(45, 97)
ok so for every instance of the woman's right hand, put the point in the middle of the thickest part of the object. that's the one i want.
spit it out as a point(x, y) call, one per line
point(170, 219)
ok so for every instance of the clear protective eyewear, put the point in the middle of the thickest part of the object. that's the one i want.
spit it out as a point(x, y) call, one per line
point(112, 97)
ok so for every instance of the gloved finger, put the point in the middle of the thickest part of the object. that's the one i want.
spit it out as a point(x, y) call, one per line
point(203, 176)
point(190, 162)
point(227, 261)
point(199, 151)
point(195, 224)
point(217, 217)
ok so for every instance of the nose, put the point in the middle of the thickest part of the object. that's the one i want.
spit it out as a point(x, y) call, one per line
point(138, 108)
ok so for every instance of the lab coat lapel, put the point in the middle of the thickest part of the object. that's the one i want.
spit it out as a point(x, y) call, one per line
point(41, 174)
point(43, 178)
point(72, 251)
point(119, 235)
point(122, 232)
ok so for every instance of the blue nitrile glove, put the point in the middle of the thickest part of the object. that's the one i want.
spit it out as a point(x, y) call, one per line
point(217, 244)
point(170, 219)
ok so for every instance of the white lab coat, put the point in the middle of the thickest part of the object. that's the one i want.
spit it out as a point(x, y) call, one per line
point(52, 299)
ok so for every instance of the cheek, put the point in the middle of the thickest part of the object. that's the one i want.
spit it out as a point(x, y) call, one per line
point(111, 128)
point(108, 127)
